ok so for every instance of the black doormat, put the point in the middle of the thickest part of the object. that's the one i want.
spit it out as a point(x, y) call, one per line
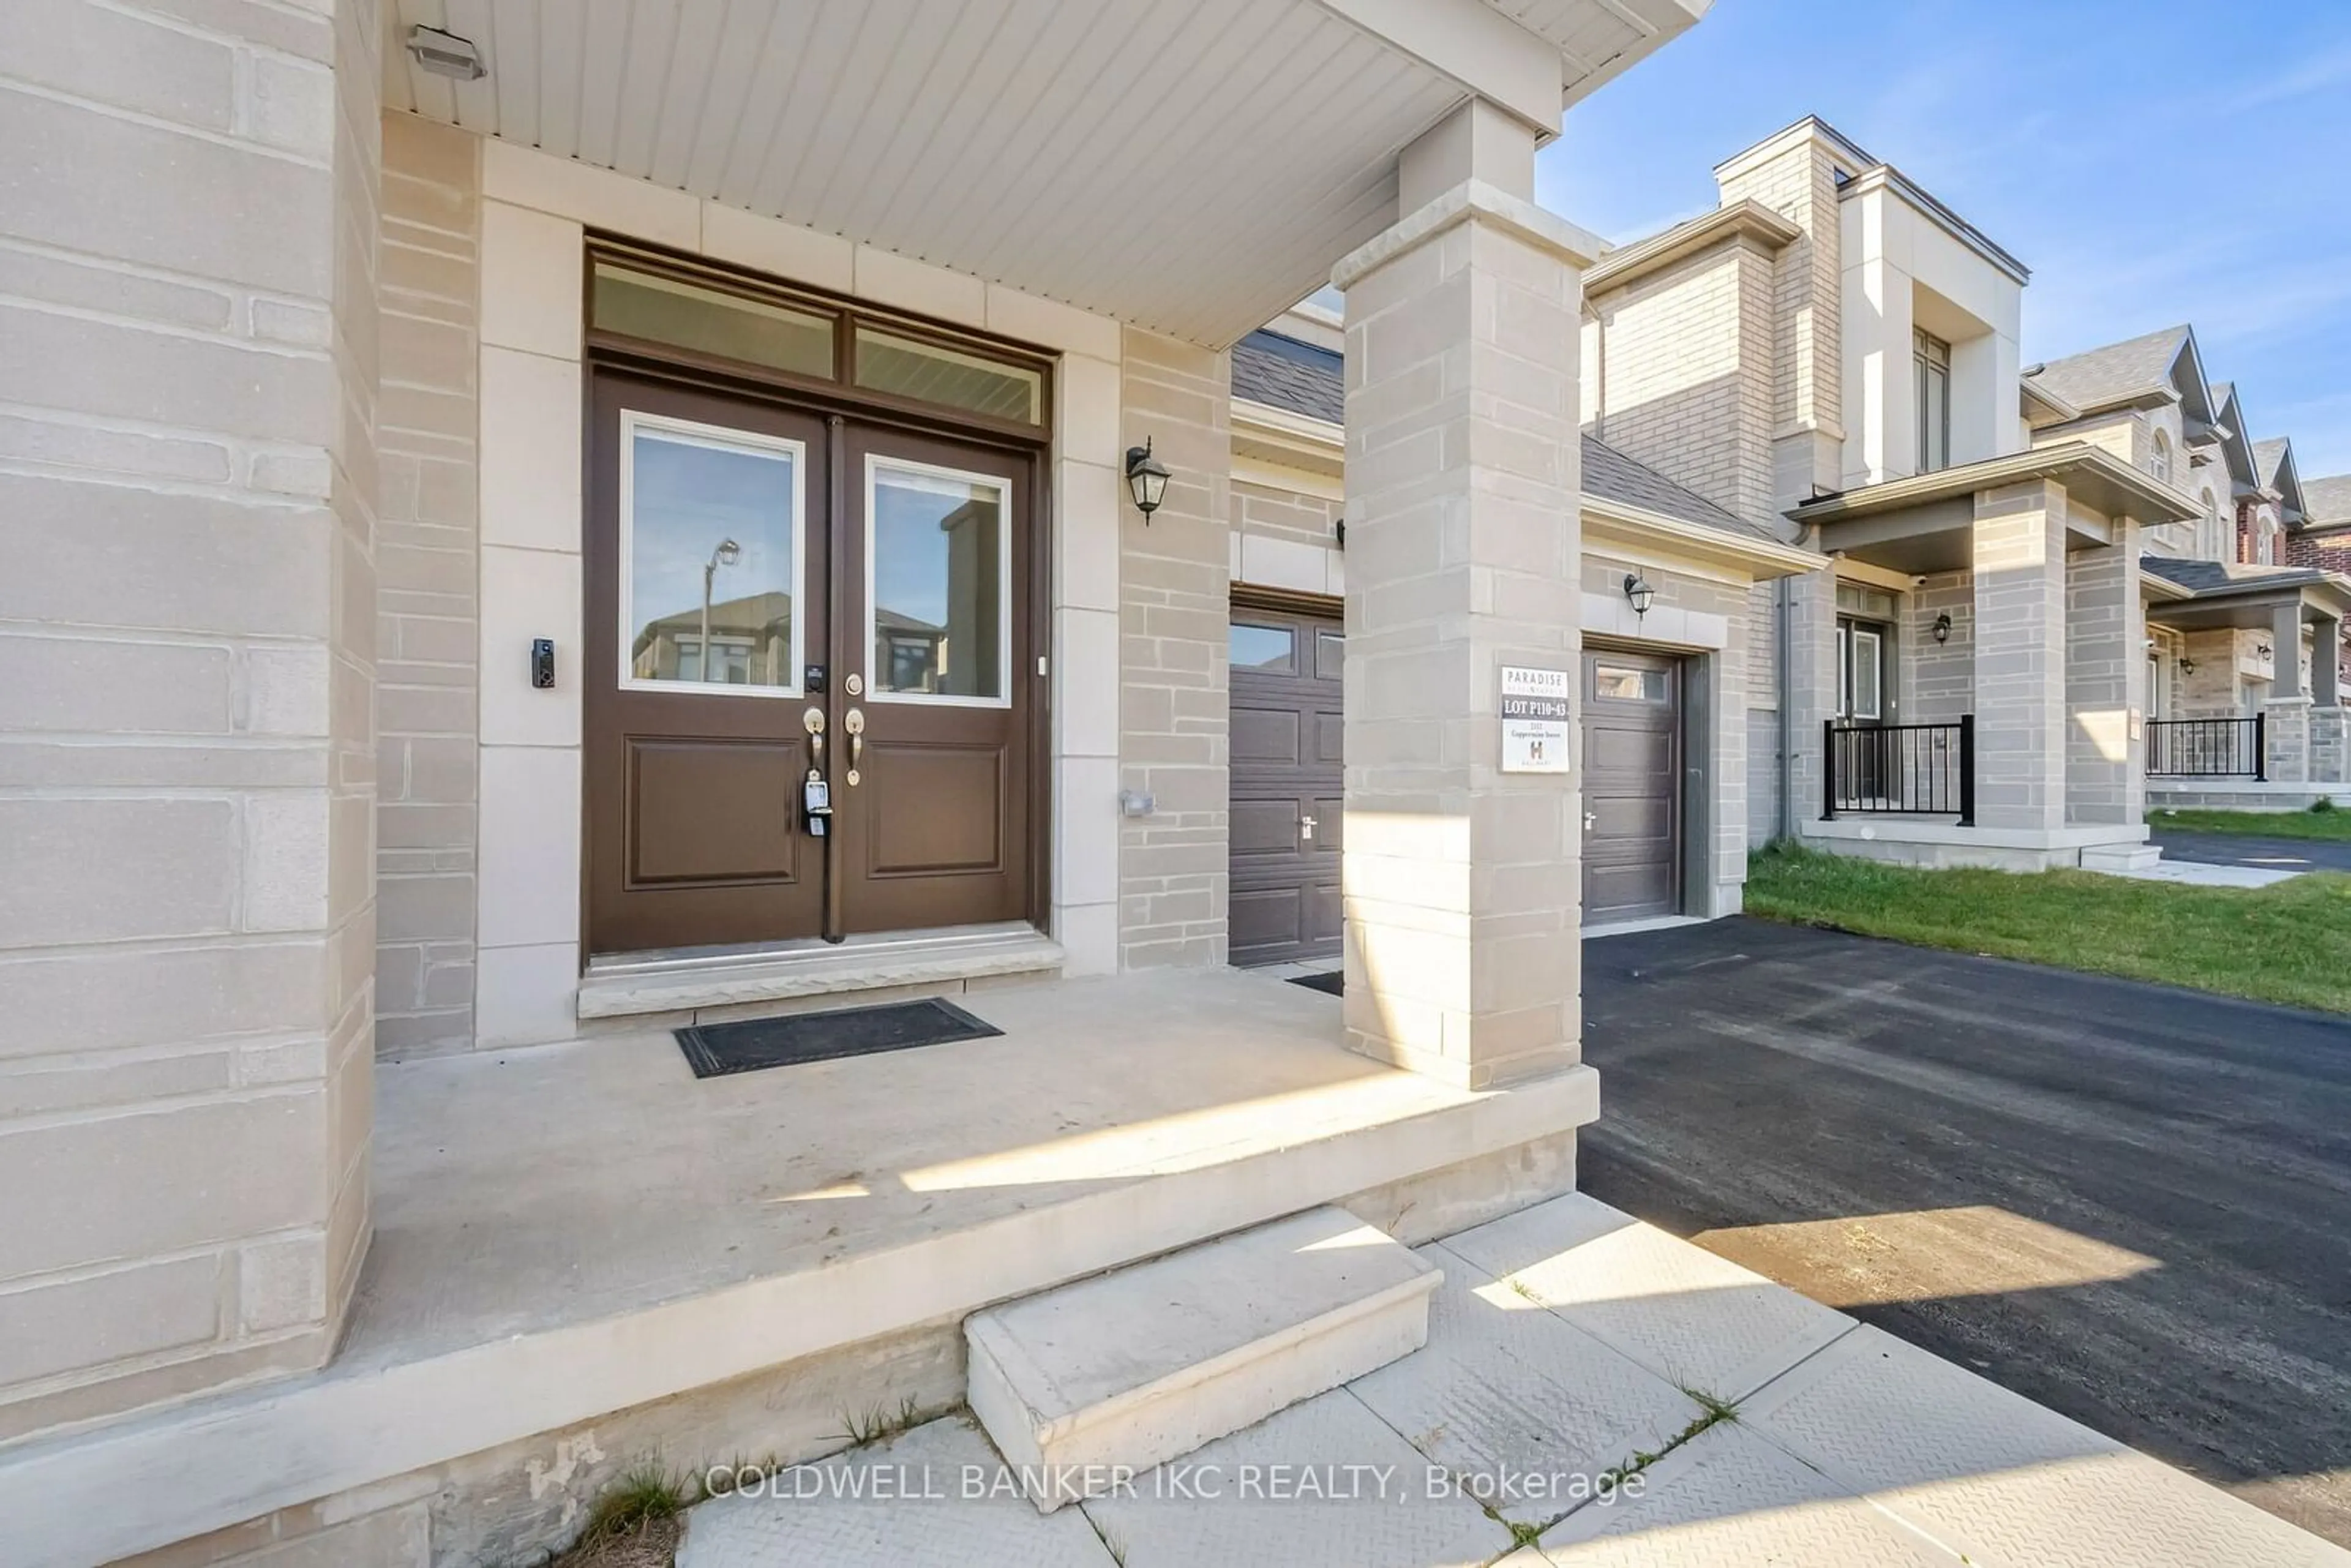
point(714, 1049)
point(1334, 983)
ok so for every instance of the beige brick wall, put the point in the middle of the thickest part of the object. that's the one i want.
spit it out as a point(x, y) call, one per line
point(1808, 339)
point(1175, 575)
point(1684, 381)
point(187, 245)
point(428, 561)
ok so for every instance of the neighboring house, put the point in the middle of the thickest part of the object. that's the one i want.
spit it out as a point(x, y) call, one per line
point(1832, 355)
point(392, 403)
point(2244, 646)
point(1665, 688)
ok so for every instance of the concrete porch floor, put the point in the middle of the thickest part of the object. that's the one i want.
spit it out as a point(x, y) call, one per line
point(567, 1231)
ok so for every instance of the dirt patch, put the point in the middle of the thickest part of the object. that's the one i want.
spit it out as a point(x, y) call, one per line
point(652, 1544)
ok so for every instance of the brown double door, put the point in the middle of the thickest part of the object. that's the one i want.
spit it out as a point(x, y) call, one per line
point(1287, 785)
point(779, 599)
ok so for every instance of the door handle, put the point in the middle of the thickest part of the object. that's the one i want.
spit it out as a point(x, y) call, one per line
point(1591, 820)
point(1306, 825)
point(813, 722)
point(853, 721)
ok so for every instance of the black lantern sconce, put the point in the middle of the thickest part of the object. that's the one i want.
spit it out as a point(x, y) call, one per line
point(2187, 665)
point(1146, 479)
point(1943, 627)
point(1638, 593)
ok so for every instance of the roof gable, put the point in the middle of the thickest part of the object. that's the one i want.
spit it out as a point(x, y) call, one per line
point(2154, 368)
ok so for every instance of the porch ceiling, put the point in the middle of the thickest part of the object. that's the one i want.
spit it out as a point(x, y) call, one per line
point(1192, 166)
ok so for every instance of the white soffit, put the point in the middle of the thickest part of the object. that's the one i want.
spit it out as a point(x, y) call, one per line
point(1192, 166)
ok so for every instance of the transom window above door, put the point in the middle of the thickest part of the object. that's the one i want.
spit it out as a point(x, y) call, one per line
point(646, 303)
point(713, 558)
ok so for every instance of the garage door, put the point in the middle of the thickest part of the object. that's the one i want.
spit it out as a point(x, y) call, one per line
point(1632, 787)
point(1287, 785)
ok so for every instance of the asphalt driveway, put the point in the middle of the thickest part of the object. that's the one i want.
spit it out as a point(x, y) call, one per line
point(2128, 1202)
point(2268, 854)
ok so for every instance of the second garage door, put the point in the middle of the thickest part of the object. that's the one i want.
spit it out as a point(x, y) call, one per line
point(1632, 787)
point(1287, 785)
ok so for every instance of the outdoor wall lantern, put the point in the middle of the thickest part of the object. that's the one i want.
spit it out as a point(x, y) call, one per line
point(1639, 593)
point(1146, 479)
point(2187, 665)
point(1943, 627)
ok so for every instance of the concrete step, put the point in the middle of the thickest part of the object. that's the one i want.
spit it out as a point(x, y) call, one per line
point(1149, 1363)
point(2120, 857)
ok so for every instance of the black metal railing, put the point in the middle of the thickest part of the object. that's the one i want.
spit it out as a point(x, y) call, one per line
point(2208, 748)
point(1914, 769)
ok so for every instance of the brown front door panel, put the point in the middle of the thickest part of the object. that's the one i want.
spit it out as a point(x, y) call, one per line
point(906, 575)
point(692, 814)
point(934, 554)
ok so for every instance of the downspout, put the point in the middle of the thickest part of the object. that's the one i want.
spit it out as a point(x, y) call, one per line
point(1787, 592)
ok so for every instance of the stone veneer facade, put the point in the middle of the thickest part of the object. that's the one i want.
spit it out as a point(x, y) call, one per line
point(187, 924)
point(428, 588)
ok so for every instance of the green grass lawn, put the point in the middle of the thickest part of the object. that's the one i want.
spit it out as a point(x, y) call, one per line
point(2333, 826)
point(2290, 943)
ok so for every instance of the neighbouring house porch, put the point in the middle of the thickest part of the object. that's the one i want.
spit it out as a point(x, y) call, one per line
point(2254, 717)
point(582, 1251)
point(1972, 688)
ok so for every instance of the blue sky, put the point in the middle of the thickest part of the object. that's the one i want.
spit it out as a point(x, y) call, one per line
point(2151, 161)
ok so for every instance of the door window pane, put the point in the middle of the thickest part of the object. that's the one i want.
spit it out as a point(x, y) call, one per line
point(1262, 647)
point(912, 368)
point(1625, 683)
point(937, 569)
point(1865, 672)
point(710, 540)
point(709, 321)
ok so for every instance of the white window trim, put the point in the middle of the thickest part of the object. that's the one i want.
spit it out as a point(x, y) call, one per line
point(692, 433)
point(875, 463)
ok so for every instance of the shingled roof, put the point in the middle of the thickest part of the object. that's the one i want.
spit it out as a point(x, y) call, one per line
point(2327, 502)
point(2116, 373)
point(2267, 455)
point(2205, 577)
point(1282, 372)
point(1301, 378)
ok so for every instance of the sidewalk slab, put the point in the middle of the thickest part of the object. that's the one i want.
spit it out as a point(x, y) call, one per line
point(1730, 1496)
point(2001, 1479)
point(874, 1509)
point(1700, 1322)
point(1504, 1387)
point(1396, 1523)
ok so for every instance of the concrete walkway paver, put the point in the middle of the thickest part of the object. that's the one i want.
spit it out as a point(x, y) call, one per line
point(2203, 873)
point(1562, 1342)
point(1698, 1320)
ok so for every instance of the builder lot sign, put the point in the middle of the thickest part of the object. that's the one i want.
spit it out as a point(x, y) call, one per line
point(1535, 716)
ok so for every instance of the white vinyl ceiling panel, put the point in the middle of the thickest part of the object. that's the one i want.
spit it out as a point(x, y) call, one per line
point(1190, 165)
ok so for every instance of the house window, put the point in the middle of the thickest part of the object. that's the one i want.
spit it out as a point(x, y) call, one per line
point(2208, 543)
point(1932, 357)
point(2159, 458)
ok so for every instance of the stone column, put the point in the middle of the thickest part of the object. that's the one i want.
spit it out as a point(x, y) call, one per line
point(2020, 656)
point(186, 929)
point(2285, 644)
point(1461, 882)
point(2326, 661)
point(2106, 682)
point(2328, 736)
point(1812, 691)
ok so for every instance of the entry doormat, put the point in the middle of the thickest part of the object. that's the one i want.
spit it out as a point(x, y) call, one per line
point(1334, 983)
point(715, 1048)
